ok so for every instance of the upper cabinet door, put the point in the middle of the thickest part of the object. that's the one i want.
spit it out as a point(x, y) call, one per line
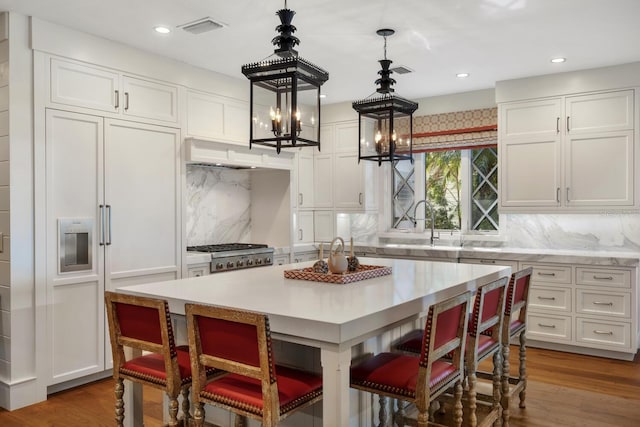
point(84, 86)
point(216, 117)
point(601, 112)
point(530, 119)
point(150, 100)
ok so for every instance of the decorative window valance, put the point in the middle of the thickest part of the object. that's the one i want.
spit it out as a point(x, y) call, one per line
point(455, 131)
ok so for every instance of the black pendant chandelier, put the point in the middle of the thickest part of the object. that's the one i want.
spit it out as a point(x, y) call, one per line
point(386, 120)
point(285, 93)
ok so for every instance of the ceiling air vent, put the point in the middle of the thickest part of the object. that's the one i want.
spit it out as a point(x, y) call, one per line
point(202, 26)
point(402, 70)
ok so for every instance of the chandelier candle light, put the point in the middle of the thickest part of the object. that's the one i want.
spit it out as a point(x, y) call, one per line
point(285, 93)
point(380, 114)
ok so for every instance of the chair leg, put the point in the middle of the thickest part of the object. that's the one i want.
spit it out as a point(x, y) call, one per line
point(471, 383)
point(198, 414)
point(398, 416)
point(457, 406)
point(119, 391)
point(497, 377)
point(173, 411)
point(383, 415)
point(505, 384)
point(523, 368)
point(185, 406)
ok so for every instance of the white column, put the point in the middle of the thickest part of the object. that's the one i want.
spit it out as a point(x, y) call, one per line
point(335, 384)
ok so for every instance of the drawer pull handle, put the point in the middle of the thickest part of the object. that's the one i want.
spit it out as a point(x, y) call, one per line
point(602, 303)
point(548, 298)
point(541, 273)
point(603, 277)
point(487, 261)
point(543, 325)
point(595, 331)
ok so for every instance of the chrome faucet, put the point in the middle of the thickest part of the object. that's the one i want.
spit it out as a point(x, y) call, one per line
point(433, 217)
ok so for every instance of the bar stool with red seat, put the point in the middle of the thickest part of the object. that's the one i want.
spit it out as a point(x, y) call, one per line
point(239, 342)
point(144, 324)
point(483, 340)
point(421, 379)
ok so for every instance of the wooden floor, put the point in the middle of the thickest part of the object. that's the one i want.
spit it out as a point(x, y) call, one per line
point(564, 390)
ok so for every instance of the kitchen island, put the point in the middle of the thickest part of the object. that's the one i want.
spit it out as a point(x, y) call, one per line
point(327, 316)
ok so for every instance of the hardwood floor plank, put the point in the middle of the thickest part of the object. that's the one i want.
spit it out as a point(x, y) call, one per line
point(564, 390)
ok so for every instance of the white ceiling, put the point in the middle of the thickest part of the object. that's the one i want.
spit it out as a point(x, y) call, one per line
point(492, 40)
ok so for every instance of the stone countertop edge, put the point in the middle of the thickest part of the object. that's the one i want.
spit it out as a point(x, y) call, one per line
point(564, 256)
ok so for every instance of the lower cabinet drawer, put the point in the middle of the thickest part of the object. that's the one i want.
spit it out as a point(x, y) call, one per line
point(604, 303)
point(550, 298)
point(603, 334)
point(548, 328)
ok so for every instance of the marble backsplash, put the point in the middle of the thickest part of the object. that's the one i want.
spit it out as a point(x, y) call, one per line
point(614, 232)
point(218, 205)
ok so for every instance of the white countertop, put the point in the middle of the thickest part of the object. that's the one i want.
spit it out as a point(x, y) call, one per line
point(411, 288)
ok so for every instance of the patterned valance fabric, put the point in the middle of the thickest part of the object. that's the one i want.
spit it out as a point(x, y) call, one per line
point(454, 131)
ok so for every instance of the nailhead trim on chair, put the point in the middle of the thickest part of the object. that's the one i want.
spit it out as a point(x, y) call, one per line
point(272, 376)
point(148, 378)
point(299, 401)
point(426, 340)
point(230, 402)
point(172, 344)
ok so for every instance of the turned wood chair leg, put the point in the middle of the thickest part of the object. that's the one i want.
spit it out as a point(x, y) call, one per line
point(522, 374)
point(198, 415)
point(383, 415)
point(457, 405)
point(399, 413)
point(119, 391)
point(505, 384)
point(497, 378)
point(471, 384)
point(185, 406)
point(173, 411)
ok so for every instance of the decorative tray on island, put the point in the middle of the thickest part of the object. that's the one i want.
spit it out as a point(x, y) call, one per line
point(361, 273)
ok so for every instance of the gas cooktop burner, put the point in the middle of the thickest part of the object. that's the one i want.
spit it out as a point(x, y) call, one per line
point(224, 247)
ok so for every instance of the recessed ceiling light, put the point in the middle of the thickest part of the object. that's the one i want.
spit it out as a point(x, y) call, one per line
point(558, 60)
point(162, 30)
point(462, 75)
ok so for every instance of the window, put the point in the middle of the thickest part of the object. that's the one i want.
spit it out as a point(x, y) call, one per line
point(461, 185)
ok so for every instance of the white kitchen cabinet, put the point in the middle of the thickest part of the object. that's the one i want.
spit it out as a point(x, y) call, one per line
point(217, 117)
point(584, 307)
point(305, 197)
point(199, 270)
point(88, 86)
point(323, 180)
point(304, 227)
point(123, 179)
point(571, 153)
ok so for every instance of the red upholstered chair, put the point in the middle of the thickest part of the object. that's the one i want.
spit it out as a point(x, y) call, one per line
point(515, 325)
point(239, 342)
point(420, 379)
point(143, 324)
point(483, 340)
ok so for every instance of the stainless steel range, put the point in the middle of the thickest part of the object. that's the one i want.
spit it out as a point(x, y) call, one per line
point(235, 256)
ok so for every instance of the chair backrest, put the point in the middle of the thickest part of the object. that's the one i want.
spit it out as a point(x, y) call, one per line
point(444, 333)
point(518, 293)
point(234, 341)
point(141, 323)
point(488, 308)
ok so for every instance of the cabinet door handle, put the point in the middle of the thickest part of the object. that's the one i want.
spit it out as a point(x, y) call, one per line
point(544, 325)
point(300, 234)
point(547, 298)
point(558, 125)
point(487, 261)
point(609, 304)
point(102, 225)
point(108, 242)
point(595, 331)
point(360, 198)
point(126, 101)
point(568, 127)
point(541, 273)
point(567, 194)
point(558, 194)
point(300, 199)
point(602, 277)
point(117, 103)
